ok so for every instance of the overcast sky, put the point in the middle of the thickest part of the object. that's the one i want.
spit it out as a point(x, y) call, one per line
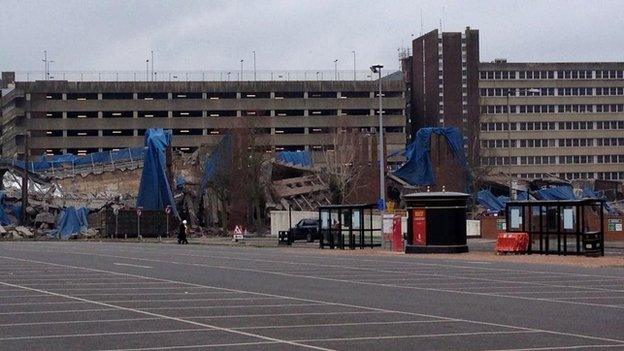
point(294, 34)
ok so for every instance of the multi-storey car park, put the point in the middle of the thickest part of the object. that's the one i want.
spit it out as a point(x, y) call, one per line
point(83, 117)
point(562, 119)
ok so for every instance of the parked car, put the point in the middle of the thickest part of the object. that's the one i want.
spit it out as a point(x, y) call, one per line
point(307, 229)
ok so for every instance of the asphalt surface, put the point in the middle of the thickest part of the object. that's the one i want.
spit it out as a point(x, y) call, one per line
point(130, 296)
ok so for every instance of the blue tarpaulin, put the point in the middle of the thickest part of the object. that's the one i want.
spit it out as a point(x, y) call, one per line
point(486, 199)
point(4, 219)
point(220, 157)
point(417, 170)
point(296, 158)
point(556, 193)
point(43, 163)
point(589, 193)
point(71, 221)
point(154, 191)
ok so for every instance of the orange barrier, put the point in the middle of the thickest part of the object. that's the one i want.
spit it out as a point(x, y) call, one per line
point(512, 243)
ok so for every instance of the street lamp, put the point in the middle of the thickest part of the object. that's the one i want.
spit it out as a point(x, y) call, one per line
point(336, 69)
point(508, 94)
point(254, 64)
point(147, 70)
point(354, 75)
point(382, 185)
point(241, 74)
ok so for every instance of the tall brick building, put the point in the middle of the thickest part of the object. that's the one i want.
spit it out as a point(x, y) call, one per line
point(443, 83)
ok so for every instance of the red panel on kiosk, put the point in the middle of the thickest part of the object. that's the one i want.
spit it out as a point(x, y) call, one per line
point(419, 227)
point(397, 235)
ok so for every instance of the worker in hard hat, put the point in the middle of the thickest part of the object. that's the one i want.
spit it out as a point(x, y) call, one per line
point(182, 233)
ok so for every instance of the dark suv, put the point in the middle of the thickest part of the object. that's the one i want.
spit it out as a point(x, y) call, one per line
point(306, 229)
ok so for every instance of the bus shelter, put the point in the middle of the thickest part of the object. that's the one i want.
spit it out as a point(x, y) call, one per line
point(563, 227)
point(349, 226)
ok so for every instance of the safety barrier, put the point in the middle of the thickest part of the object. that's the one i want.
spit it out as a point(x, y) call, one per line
point(516, 243)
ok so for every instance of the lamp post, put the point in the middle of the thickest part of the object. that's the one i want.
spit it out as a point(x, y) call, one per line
point(336, 69)
point(382, 186)
point(354, 75)
point(509, 177)
point(147, 70)
point(152, 58)
point(241, 74)
point(254, 64)
point(382, 158)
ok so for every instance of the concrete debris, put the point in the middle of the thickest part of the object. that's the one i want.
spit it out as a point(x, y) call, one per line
point(299, 188)
point(25, 232)
point(2, 230)
point(45, 217)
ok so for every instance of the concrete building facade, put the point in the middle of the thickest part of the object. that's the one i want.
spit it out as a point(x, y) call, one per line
point(84, 117)
point(563, 119)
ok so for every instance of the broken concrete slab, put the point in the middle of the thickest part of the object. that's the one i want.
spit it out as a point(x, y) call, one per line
point(45, 217)
point(25, 232)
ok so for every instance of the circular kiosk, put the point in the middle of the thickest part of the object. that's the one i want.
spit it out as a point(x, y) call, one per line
point(436, 222)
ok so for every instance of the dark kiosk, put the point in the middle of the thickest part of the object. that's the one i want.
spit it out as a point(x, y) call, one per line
point(436, 222)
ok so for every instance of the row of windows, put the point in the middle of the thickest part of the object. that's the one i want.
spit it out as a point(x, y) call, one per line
point(548, 74)
point(603, 91)
point(200, 131)
point(574, 175)
point(570, 142)
point(573, 108)
point(582, 125)
point(551, 160)
point(222, 113)
point(218, 96)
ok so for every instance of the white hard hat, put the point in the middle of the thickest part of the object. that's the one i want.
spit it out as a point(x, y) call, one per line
point(184, 221)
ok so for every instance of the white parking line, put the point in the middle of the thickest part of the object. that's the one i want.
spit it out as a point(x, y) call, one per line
point(63, 336)
point(392, 285)
point(589, 337)
point(214, 327)
point(131, 265)
point(417, 336)
point(288, 314)
point(203, 346)
point(342, 324)
point(57, 311)
point(80, 322)
point(573, 347)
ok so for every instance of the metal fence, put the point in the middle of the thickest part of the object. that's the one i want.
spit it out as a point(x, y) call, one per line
point(199, 76)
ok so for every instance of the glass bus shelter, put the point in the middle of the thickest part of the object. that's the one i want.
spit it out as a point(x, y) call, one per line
point(563, 227)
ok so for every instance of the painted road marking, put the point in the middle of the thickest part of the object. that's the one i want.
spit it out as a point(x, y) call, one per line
point(131, 265)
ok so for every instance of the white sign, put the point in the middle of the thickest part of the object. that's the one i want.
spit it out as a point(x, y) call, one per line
point(568, 218)
point(516, 220)
point(325, 220)
point(618, 227)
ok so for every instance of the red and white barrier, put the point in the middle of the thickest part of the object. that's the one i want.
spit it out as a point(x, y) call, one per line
point(512, 243)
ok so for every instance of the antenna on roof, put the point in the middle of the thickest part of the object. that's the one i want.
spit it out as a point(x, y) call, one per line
point(421, 23)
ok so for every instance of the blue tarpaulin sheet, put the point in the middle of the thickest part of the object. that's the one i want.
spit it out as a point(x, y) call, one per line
point(220, 157)
point(589, 193)
point(43, 163)
point(154, 190)
point(71, 221)
point(4, 219)
point(486, 199)
point(417, 170)
point(296, 158)
point(556, 193)
point(520, 195)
